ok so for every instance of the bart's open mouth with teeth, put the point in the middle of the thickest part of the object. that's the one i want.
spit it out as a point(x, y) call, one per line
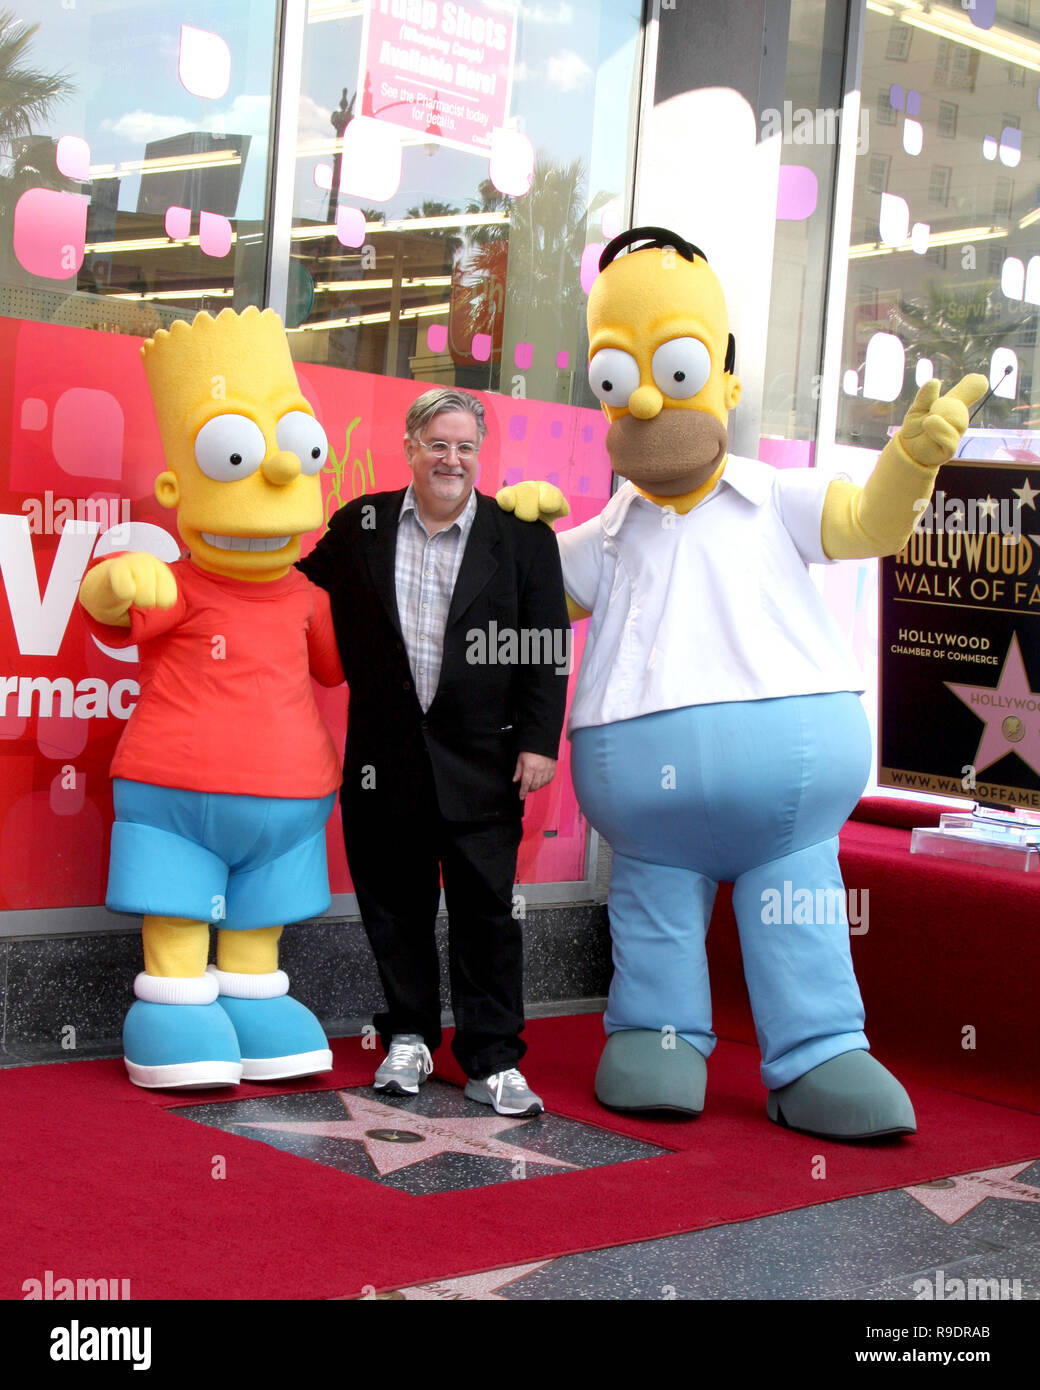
point(254, 543)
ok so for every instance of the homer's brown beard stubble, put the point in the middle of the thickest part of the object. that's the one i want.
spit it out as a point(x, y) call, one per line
point(674, 445)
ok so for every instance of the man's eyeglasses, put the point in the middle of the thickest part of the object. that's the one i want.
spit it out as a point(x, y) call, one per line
point(441, 450)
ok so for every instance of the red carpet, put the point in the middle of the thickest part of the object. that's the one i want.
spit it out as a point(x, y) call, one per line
point(105, 1184)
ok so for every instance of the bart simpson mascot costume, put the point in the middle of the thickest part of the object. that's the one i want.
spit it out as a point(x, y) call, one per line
point(225, 774)
point(716, 730)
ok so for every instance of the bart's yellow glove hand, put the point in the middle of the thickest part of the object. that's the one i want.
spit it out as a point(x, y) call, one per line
point(934, 424)
point(534, 502)
point(110, 588)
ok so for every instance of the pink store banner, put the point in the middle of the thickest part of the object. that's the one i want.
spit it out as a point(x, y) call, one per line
point(439, 70)
point(79, 452)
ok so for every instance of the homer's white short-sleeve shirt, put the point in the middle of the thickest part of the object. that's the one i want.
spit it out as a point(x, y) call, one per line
point(713, 606)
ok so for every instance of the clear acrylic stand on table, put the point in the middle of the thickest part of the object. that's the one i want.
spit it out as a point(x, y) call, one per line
point(995, 838)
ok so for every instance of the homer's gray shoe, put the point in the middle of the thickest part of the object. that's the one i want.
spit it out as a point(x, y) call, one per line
point(405, 1067)
point(849, 1097)
point(507, 1091)
point(642, 1069)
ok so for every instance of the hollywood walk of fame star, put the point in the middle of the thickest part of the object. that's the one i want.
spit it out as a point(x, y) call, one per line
point(963, 1194)
point(993, 705)
point(419, 1137)
point(480, 1287)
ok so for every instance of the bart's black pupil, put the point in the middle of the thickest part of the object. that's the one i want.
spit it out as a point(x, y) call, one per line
point(236, 458)
point(315, 452)
point(679, 376)
point(608, 386)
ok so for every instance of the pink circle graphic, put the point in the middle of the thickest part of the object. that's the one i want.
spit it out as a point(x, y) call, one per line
point(72, 157)
point(34, 413)
point(563, 358)
point(87, 433)
point(203, 63)
point(590, 264)
point(511, 166)
point(610, 223)
point(58, 737)
point(178, 223)
point(50, 229)
point(523, 355)
point(68, 800)
point(371, 163)
point(437, 337)
point(350, 227)
point(481, 346)
point(797, 193)
point(214, 234)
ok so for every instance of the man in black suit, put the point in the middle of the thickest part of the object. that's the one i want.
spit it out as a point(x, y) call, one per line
point(453, 632)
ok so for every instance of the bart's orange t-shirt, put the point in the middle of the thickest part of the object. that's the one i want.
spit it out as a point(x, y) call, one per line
point(226, 701)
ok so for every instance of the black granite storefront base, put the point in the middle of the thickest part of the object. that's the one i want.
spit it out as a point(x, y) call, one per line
point(64, 998)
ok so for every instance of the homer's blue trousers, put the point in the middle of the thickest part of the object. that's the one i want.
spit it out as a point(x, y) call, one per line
point(753, 793)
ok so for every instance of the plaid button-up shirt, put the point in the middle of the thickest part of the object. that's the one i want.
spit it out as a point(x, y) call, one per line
point(425, 570)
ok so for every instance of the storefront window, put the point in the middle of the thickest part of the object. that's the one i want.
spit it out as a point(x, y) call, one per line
point(808, 129)
point(454, 163)
point(133, 160)
point(944, 266)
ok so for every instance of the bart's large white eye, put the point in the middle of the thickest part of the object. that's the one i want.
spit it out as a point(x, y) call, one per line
point(229, 447)
point(680, 367)
point(613, 376)
point(300, 434)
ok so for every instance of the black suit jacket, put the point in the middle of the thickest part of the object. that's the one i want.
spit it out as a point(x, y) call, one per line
point(486, 711)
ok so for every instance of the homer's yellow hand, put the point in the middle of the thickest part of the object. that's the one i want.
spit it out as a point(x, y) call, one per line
point(934, 424)
point(134, 578)
point(532, 501)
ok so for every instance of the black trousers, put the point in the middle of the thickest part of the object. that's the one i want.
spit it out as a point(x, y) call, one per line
point(396, 861)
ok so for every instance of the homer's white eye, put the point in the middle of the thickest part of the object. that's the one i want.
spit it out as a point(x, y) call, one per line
point(613, 376)
point(681, 367)
point(300, 434)
point(229, 447)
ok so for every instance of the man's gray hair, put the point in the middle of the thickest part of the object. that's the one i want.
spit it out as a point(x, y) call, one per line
point(441, 398)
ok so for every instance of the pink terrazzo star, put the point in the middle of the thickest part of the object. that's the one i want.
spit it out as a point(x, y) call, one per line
point(1010, 712)
point(437, 1136)
point(482, 1287)
point(951, 1203)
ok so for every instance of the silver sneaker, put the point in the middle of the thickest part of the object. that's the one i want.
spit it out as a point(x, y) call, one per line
point(508, 1092)
point(405, 1067)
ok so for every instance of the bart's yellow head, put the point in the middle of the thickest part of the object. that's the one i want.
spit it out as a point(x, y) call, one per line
point(661, 361)
point(242, 445)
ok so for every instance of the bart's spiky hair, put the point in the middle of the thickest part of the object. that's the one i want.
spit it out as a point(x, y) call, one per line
point(242, 357)
point(215, 342)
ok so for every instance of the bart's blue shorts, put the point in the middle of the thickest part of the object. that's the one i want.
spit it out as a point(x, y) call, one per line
point(236, 861)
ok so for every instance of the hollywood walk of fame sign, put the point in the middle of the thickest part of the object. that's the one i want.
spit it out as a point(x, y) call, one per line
point(959, 689)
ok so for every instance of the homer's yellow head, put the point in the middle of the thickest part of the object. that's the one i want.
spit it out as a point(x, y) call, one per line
point(661, 361)
point(242, 445)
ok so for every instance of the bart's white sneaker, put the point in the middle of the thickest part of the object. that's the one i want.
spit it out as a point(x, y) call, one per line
point(405, 1067)
point(508, 1092)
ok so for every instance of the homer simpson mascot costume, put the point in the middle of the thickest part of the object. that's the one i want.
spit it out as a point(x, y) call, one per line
point(225, 774)
point(716, 729)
